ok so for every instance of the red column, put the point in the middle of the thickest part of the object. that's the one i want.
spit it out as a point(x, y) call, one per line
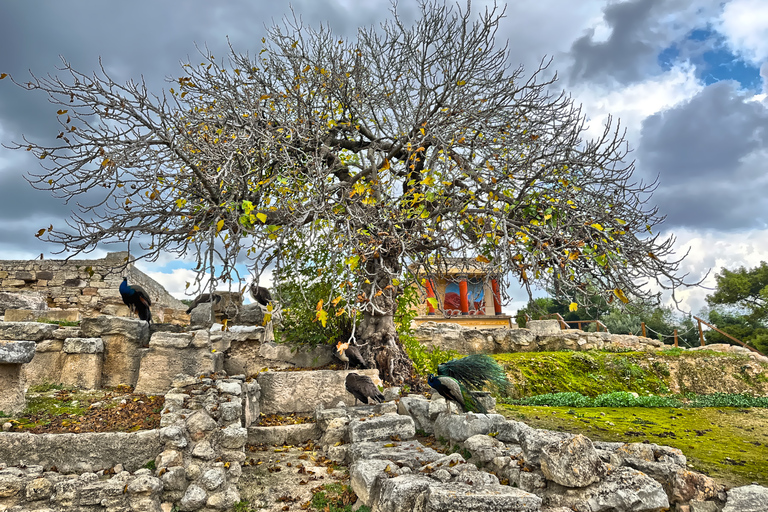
point(496, 297)
point(464, 300)
point(430, 295)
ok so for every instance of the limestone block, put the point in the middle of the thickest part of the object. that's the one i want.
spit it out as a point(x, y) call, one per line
point(748, 498)
point(16, 352)
point(491, 498)
point(83, 346)
point(12, 385)
point(33, 315)
point(46, 366)
point(484, 448)
point(512, 431)
point(535, 441)
point(541, 327)
point(97, 326)
point(363, 476)
point(400, 494)
point(571, 462)
point(251, 407)
point(283, 435)
point(82, 370)
point(302, 392)
point(680, 484)
point(303, 357)
point(32, 331)
point(457, 428)
point(160, 365)
point(411, 454)
point(171, 340)
point(381, 428)
point(123, 341)
point(417, 407)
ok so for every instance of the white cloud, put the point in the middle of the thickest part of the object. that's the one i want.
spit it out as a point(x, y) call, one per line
point(176, 281)
point(635, 102)
point(744, 23)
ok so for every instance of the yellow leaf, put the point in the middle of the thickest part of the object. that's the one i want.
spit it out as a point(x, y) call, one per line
point(385, 165)
point(461, 82)
point(322, 316)
point(336, 300)
point(61, 112)
point(620, 294)
point(319, 305)
point(573, 306)
point(432, 302)
point(597, 226)
point(40, 233)
point(262, 217)
point(483, 259)
point(264, 97)
point(219, 225)
point(3, 75)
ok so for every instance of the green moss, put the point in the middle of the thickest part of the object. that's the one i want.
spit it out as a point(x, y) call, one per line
point(728, 444)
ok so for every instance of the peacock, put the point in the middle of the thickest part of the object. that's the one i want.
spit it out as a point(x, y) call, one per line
point(363, 388)
point(453, 391)
point(136, 299)
point(202, 299)
point(475, 371)
point(350, 354)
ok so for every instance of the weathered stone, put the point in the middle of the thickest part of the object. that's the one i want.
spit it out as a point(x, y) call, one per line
point(302, 356)
point(98, 450)
point(417, 407)
point(224, 500)
point(83, 346)
point(411, 453)
point(491, 498)
point(145, 484)
point(199, 424)
point(230, 387)
point(39, 489)
point(174, 479)
point(534, 441)
point(169, 458)
point(194, 498)
point(484, 448)
point(457, 428)
point(171, 340)
point(571, 462)
point(363, 475)
point(10, 485)
point(12, 399)
point(233, 437)
point(204, 450)
point(35, 315)
point(748, 498)
point(381, 428)
point(82, 370)
point(123, 341)
point(161, 364)
point(400, 494)
point(212, 479)
point(680, 484)
point(23, 300)
point(302, 392)
point(16, 352)
point(512, 431)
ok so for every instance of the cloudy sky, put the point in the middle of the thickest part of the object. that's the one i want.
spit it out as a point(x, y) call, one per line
point(687, 78)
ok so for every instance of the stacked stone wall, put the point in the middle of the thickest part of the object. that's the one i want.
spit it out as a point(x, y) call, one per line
point(196, 454)
point(88, 286)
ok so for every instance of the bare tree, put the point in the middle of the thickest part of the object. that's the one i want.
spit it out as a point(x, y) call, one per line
point(409, 145)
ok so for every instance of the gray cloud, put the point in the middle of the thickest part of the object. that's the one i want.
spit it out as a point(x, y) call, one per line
point(705, 151)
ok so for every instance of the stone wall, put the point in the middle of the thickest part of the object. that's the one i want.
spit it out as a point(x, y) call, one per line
point(89, 286)
point(197, 457)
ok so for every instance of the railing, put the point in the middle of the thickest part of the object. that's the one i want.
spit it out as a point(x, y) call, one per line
point(564, 323)
point(703, 343)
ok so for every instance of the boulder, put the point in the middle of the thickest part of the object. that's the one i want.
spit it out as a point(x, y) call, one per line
point(450, 497)
point(417, 407)
point(124, 341)
point(83, 346)
point(571, 462)
point(534, 441)
point(457, 428)
point(748, 498)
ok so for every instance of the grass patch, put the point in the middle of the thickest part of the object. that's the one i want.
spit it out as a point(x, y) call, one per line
point(729, 444)
point(60, 323)
point(624, 399)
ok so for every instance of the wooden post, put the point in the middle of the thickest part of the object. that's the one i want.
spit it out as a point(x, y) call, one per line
point(642, 326)
point(675, 337)
point(597, 325)
point(701, 334)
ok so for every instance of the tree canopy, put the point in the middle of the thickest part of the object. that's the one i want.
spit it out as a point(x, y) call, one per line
point(407, 145)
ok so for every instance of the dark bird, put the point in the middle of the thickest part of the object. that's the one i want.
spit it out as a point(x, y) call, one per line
point(136, 299)
point(202, 299)
point(452, 390)
point(475, 371)
point(347, 354)
point(260, 294)
point(363, 388)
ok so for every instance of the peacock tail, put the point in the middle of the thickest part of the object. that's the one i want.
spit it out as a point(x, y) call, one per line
point(475, 372)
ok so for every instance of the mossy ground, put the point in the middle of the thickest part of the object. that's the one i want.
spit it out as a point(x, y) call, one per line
point(730, 445)
point(593, 372)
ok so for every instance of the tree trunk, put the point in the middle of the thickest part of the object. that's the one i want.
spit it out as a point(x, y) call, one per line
point(377, 335)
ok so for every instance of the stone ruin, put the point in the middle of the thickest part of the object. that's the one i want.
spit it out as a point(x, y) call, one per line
point(72, 289)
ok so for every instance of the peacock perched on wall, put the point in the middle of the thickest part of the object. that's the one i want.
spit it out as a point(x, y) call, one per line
point(475, 372)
